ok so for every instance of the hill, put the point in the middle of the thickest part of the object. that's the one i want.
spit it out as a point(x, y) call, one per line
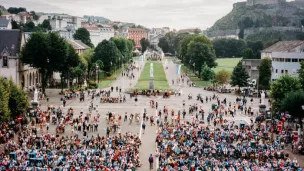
point(279, 15)
point(100, 19)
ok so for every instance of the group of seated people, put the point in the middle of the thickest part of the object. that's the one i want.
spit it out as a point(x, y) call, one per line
point(50, 152)
point(193, 147)
point(106, 99)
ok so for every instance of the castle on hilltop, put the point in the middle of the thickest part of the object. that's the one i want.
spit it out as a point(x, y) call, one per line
point(258, 2)
point(263, 2)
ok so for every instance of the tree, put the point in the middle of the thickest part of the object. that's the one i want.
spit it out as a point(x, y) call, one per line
point(229, 47)
point(163, 44)
point(301, 74)
point(207, 73)
point(239, 76)
point(281, 86)
point(222, 77)
point(13, 100)
point(265, 73)
point(30, 25)
point(35, 16)
point(107, 52)
point(14, 10)
point(241, 34)
point(46, 52)
point(256, 47)
point(4, 96)
point(144, 44)
point(248, 54)
point(199, 54)
point(122, 46)
point(18, 101)
point(15, 25)
point(46, 25)
point(84, 35)
point(0, 13)
point(87, 61)
point(115, 27)
point(292, 103)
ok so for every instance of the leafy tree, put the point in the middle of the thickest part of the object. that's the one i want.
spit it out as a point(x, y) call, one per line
point(241, 34)
point(239, 76)
point(144, 44)
point(0, 13)
point(199, 54)
point(248, 54)
point(30, 25)
point(34, 53)
point(108, 53)
point(84, 35)
point(115, 27)
point(265, 73)
point(35, 16)
point(14, 10)
point(4, 96)
point(229, 47)
point(281, 86)
point(301, 74)
point(18, 101)
point(222, 77)
point(87, 60)
point(256, 47)
point(292, 103)
point(164, 44)
point(207, 73)
point(122, 46)
point(15, 25)
point(46, 25)
point(183, 48)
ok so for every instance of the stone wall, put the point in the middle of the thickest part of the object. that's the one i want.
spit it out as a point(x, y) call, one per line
point(250, 31)
point(264, 2)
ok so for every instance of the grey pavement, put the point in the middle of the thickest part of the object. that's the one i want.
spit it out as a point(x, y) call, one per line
point(148, 137)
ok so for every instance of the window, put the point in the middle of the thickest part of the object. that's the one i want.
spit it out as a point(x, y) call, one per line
point(282, 71)
point(295, 60)
point(287, 59)
point(4, 61)
point(286, 71)
point(276, 70)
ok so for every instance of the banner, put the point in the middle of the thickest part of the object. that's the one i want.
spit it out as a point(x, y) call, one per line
point(178, 68)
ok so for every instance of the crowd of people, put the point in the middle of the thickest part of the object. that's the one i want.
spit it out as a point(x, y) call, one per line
point(190, 146)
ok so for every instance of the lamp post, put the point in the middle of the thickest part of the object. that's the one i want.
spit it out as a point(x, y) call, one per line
point(97, 74)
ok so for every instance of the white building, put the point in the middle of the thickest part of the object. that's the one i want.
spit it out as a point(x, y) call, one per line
point(97, 35)
point(11, 42)
point(58, 24)
point(5, 24)
point(286, 57)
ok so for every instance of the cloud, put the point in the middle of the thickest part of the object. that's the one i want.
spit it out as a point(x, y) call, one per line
point(157, 13)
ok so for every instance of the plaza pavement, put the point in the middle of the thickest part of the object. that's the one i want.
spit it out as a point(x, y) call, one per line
point(148, 138)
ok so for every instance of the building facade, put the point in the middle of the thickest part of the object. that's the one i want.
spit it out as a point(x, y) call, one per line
point(286, 57)
point(97, 35)
point(252, 67)
point(78, 46)
point(11, 42)
point(5, 24)
point(136, 34)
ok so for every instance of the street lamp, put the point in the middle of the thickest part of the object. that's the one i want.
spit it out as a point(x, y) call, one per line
point(97, 74)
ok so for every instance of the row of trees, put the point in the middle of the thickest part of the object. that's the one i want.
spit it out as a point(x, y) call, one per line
point(30, 26)
point(50, 53)
point(194, 50)
point(13, 100)
point(228, 47)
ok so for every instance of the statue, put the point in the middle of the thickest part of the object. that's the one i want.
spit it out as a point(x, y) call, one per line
point(36, 95)
point(151, 70)
point(262, 97)
point(85, 83)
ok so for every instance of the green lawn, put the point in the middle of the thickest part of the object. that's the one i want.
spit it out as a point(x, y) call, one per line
point(160, 80)
point(223, 63)
point(226, 64)
point(107, 81)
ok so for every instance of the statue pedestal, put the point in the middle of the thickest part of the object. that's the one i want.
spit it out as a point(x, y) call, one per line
point(151, 85)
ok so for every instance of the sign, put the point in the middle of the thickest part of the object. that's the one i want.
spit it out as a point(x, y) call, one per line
point(178, 68)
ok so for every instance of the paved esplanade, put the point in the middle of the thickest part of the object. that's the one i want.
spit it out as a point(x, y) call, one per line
point(148, 138)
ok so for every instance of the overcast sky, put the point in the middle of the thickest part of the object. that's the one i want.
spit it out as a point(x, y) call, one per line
point(176, 14)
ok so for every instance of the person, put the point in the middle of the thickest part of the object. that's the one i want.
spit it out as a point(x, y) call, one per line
point(64, 102)
point(151, 161)
point(143, 127)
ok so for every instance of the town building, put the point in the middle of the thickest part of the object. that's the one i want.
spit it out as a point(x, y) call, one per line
point(5, 24)
point(286, 57)
point(78, 46)
point(97, 35)
point(252, 67)
point(136, 34)
point(11, 42)
point(190, 31)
